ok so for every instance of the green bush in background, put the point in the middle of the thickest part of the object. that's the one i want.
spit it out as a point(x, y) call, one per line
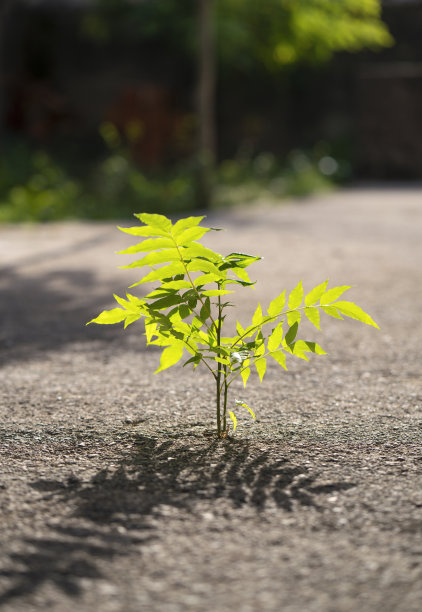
point(34, 187)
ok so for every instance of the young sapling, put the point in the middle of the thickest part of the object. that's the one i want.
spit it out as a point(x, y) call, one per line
point(186, 311)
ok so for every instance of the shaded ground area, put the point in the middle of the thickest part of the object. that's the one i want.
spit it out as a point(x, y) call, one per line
point(112, 498)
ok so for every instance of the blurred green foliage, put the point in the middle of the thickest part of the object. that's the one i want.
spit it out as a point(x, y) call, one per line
point(279, 33)
point(34, 187)
point(270, 34)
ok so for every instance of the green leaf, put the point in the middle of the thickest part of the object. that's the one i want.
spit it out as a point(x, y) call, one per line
point(184, 311)
point(204, 279)
point(233, 419)
point(313, 315)
point(296, 297)
point(151, 244)
point(170, 356)
point(159, 221)
point(245, 372)
point(238, 403)
point(332, 311)
point(261, 366)
point(201, 265)
point(257, 317)
point(191, 234)
point(139, 230)
point(176, 285)
point(166, 302)
point(239, 329)
point(280, 358)
point(313, 347)
point(293, 317)
point(180, 226)
point(213, 292)
point(153, 258)
point(224, 361)
point(196, 249)
point(241, 260)
point(131, 318)
point(205, 310)
point(275, 337)
point(161, 273)
point(134, 299)
point(291, 333)
point(355, 312)
point(196, 359)
point(333, 294)
point(314, 295)
point(277, 305)
point(243, 275)
point(298, 349)
point(126, 304)
point(108, 317)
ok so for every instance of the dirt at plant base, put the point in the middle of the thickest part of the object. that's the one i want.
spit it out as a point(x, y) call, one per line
point(111, 496)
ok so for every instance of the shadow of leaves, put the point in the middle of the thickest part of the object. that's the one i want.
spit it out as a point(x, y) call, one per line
point(158, 474)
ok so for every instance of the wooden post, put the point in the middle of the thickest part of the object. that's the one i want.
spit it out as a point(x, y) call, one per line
point(206, 103)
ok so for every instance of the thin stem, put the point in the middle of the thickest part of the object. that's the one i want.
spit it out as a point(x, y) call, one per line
point(226, 388)
point(218, 378)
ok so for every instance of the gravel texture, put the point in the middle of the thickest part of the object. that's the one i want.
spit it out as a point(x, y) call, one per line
point(111, 496)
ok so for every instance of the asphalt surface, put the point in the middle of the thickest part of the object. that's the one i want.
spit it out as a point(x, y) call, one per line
point(111, 496)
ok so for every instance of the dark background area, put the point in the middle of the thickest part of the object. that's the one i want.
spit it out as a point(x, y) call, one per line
point(108, 92)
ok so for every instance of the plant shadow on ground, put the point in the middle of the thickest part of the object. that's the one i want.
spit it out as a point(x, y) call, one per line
point(112, 513)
